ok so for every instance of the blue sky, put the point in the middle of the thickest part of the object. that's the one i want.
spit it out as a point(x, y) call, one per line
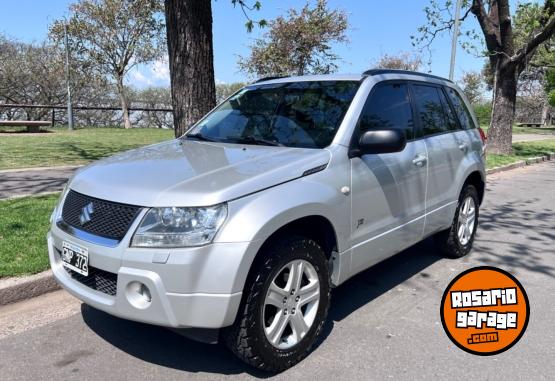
point(377, 27)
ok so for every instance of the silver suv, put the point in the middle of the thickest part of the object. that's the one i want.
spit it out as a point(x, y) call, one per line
point(240, 228)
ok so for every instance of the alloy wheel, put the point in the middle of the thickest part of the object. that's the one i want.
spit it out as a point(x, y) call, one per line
point(291, 304)
point(467, 220)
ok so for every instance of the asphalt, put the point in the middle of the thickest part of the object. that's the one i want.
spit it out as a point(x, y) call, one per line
point(383, 324)
point(33, 181)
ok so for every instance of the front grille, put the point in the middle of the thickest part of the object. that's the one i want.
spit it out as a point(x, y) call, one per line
point(107, 219)
point(97, 279)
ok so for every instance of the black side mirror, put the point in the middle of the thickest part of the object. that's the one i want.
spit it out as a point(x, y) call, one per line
point(380, 141)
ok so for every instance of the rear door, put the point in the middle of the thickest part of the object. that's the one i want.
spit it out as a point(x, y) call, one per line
point(437, 126)
point(388, 190)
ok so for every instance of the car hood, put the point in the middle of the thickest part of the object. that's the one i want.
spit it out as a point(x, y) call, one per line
point(192, 173)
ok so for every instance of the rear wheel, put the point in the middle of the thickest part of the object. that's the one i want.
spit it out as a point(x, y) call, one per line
point(456, 242)
point(284, 306)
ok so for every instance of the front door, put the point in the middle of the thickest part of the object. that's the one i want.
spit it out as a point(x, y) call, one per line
point(388, 190)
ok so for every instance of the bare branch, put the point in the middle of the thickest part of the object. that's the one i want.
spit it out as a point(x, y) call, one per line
point(491, 33)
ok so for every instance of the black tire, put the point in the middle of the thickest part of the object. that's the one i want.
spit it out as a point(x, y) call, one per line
point(448, 240)
point(246, 337)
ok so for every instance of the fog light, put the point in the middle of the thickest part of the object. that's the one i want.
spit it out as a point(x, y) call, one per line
point(138, 294)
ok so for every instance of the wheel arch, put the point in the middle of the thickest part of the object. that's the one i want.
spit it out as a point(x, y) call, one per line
point(476, 179)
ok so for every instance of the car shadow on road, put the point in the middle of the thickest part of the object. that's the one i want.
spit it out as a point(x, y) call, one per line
point(165, 348)
point(516, 236)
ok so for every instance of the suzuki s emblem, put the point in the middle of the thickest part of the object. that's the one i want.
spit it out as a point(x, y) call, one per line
point(86, 213)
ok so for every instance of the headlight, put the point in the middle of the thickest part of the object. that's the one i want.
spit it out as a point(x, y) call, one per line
point(57, 209)
point(179, 227)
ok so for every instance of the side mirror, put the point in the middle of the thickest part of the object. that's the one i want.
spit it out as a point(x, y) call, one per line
point(381, 141)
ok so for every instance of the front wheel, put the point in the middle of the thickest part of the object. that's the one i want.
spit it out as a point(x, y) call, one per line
point(456, 242)
point(284, 307)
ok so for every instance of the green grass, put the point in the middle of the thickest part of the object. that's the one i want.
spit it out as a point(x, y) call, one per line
point(527, 130)
point(522, 151)
point(62, 147)
point(24, 223)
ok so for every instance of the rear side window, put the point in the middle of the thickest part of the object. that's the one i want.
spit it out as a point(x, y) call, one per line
point(449, 113)
point(388, 107)
point(430, 111)
point(465, 118)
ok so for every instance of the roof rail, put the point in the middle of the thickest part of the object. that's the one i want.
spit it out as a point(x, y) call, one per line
point(269, 78)
point(397, 71)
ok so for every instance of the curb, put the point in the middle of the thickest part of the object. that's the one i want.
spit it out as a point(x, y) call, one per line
point(30, 195)
point(55, 168)
point(523, 163)
point(20, 288)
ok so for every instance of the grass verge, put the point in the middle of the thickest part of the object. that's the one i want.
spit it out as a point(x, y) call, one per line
point(63, 147)
point(522, 151)
point(24, 223)
point(518, 130)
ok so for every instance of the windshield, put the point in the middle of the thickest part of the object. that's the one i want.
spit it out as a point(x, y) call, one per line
point(294, 114)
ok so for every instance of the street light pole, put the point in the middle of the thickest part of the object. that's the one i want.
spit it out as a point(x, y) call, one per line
point(69, 103)
point(455, 38)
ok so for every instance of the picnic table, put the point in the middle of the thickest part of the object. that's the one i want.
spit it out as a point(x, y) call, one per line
point(32, 125)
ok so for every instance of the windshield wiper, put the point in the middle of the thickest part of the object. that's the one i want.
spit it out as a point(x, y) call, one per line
point(250, 139)
point(201, 137)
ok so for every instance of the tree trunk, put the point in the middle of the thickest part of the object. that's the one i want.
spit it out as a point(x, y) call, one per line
point(124, 103)
point(545, 112)
point(503, 110)
point(191, 59)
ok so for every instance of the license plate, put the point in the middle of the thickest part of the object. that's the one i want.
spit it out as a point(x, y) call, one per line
point(75, 258)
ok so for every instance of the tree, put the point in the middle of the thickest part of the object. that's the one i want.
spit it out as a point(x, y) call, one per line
point(508, 52)
point(224, 90)
point(191, 57)
point(298, 43)
point(153, 97)
point(401, 61)
point(35, 74)
point(114, 36)
point(472, 84)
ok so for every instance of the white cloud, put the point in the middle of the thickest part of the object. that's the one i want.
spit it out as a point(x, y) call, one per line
point(160, 70)
point(138, 79)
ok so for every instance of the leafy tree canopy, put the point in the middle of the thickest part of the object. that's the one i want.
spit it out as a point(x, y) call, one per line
point(298, 43)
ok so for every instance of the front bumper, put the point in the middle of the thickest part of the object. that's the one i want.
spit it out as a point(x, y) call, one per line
point(189, 288)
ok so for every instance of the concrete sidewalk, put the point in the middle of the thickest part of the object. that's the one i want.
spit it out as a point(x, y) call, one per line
point(518, 138)
point(33, 181)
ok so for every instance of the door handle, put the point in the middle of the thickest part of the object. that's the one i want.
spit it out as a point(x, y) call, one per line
point(420, 160)
point(463, 147)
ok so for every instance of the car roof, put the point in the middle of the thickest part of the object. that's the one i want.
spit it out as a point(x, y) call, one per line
point(381, 73)
point(311, 78)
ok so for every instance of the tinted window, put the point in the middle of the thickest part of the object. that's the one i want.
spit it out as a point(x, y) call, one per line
point(388, 107)
point(295, 114)
point(464, 115)
point(430, 110)
point(449, 113)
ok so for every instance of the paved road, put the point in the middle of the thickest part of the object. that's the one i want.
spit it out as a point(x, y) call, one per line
point(29, 182)
point(384, 323)
point(531, 137)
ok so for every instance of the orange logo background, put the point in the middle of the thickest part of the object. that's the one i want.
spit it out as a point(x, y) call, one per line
point(463, 310)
